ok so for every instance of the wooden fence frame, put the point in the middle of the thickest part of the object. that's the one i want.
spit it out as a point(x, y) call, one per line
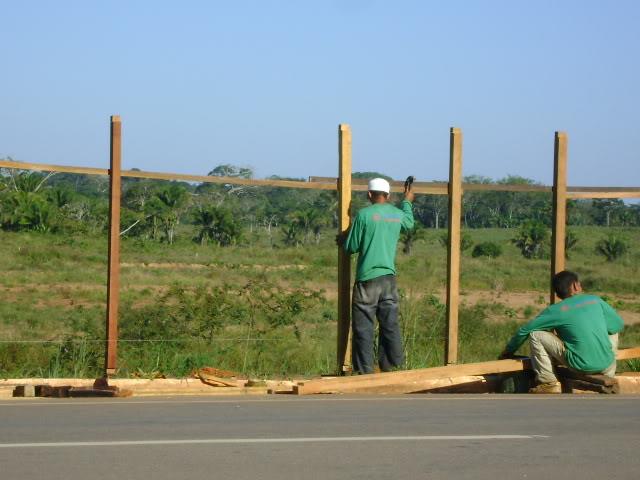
point(345, 186)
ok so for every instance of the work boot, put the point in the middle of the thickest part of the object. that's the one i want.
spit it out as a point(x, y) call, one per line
point(550, 387)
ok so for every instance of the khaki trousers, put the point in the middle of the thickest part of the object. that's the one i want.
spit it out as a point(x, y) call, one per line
point(547, 350)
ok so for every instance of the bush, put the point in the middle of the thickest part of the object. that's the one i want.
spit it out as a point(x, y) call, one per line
point(409, 237)
point(612, 247)
point(570, 241)
point(466, 242)
point(487, 249)
point(217, 224)
point(532, 239)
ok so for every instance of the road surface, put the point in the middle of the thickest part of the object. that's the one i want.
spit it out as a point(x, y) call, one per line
point(322, 437)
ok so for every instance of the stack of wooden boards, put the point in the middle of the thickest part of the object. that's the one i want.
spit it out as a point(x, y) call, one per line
point(100, 388)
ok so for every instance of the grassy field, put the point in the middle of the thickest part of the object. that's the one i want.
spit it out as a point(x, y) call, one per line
point(264, 310)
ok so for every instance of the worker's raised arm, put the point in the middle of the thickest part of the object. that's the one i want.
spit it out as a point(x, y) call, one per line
point(408, 221)
point(407, 206)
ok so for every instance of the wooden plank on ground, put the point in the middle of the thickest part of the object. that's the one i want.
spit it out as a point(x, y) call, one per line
point(465, 384)
point(406, 381)
point(363, 382)
point(215, 381)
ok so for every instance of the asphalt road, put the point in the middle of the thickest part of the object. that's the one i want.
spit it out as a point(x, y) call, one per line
point(325, 437)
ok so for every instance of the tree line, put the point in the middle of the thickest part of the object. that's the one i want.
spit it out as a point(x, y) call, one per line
point(227, 214)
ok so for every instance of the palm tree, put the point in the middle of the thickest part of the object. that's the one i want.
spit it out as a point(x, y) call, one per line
point(164, 210)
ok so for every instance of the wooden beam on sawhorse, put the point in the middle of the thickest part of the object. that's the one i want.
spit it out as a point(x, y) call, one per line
point(344, 259)
point(453, 247)
point(559, 226)
point(113, 276)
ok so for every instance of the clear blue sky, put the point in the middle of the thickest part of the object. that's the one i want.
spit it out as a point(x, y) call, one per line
point(265, 84)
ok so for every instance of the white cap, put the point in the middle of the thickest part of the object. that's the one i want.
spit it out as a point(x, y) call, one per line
point(379, 185)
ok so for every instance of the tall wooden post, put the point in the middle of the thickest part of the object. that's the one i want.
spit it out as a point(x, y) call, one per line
point(113, 278)
point(344, 259)
point(453, 248)
point(559, 231)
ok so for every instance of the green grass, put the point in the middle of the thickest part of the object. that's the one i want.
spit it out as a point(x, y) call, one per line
point(53, 289)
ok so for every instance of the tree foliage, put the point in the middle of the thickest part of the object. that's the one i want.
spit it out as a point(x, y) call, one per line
point(216, 224)
point(612, 247)
point(218, 213)
point(487, 249)
point(532, 239)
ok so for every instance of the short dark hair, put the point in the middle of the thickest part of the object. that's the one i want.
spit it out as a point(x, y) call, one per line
point(562, 282)
point(375, 194)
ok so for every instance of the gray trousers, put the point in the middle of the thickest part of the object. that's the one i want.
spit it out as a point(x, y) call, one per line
point(376, 298)
point(547, 350)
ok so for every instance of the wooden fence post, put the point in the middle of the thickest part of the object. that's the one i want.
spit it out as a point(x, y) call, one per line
point(113, 276)
point(453, 248)
point(344, 259)
point(559, 227)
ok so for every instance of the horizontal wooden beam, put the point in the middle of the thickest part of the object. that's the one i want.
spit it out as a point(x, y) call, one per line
point(360, 184)
point(505, 187)
point(331, 183)
point(605, 189)
point(41, 167)
point(229, 180)
point(628, 353)
point(603, 194)
point(169, 176)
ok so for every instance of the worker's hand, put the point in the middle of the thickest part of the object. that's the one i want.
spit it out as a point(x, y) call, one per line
point(341, 238)
point(408, 194)
point(505, 355)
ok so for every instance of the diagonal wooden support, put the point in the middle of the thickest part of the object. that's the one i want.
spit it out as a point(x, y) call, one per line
point(406, 381)
point(363, 383)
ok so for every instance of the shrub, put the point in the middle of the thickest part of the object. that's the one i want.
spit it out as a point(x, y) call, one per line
point(466, 242)
point(409, 237)
point(532, 239)
point(218, 225)
point(612, 247)
point(570, 241)
point(487, 249)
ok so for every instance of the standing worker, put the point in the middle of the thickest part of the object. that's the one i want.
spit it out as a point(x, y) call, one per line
point(374, 236)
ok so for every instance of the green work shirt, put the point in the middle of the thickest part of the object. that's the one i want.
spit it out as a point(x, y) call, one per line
point(583, 323)
point(374, 235)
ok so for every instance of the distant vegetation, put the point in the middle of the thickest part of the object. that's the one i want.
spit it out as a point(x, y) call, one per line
point(228, 214)
point(487, 249)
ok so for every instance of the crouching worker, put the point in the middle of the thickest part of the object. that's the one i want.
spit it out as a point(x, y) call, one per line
point(374, 236)
point(585, 339)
